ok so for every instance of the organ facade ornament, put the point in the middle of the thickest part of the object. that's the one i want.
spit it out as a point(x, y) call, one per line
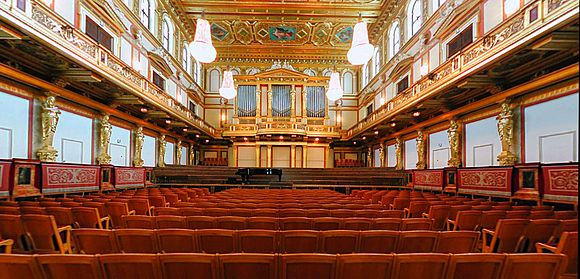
point(50, 116)
point(399, 153)
point(420, 150)
point(505, 128)
point(104, 140)
point(139, 139)
point(162, 147)
point(453, 136)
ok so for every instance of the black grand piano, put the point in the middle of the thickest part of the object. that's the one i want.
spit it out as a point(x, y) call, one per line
point(246, 173)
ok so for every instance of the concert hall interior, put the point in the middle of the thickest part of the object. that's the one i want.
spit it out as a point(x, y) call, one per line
point(289, 139)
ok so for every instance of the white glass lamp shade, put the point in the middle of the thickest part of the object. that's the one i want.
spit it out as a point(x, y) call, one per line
point(361, 50)
point(201, 48)
point(335, 91)
point(228, 90)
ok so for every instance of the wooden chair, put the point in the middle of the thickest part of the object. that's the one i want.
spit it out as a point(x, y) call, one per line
point(467, 220)
point(439, 214)
point(298, 241)
point(6, 246)
point(424, 266)
point(136, 241)
point(400, 203)
point(11, 228)
point(391, 214)
point(367, 213)
point(242, 266)
point(533, 266)
point(201, 222)
point(416, 209)
point(541, 214)
point(357, 224)
point(257, 241)
point(140, 206)
point(94, 241)
point(10, 210)
point(157, 201)
point(70, 204)
point(170, 222)
point(568, 246)
point(536, 231)
point(308, 266)
point(517, 214)
point(130, 266)
point(19, 267)
point(265, 212)
point(45, 236)
point(416, 242)
point(338, 241)
point(295, 223)
point(264, 223)
point(456, 209)
point(315, 213)
point(475, 266)
point(456, 242)
point(505, 237)
point(565, 214)
point(414, 224)
point(392, 224)
point(62, 215)
point(116, 211)
point(138, 222)
point(368, 266)
point(32, 210)
point(70, 266)
point(382, 242)
point(177, 241)
point(326, 223)
point(172, 211)
point(342, 213)
point(241, 212)
point(216, 241)
point(189, 266)
point(5, 203)
point(231, 222)
point(87, 217)
point(570, 225)
point(291, 212)
point(490, 218)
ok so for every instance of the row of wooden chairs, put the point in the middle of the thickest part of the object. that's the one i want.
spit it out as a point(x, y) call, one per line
point(348, 163)
point(271, 223)
point(477, 220)
point(212, 241)
point(274, 266)
point(281, 213)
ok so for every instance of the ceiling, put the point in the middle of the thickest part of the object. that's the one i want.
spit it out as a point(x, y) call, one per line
point(283, 29)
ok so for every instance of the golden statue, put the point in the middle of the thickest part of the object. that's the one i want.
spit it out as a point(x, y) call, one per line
point(191, 155)
point(104, 140)
point(162, 147)
point(50, 116)
point(420, 150)
point(382, 153)
point(178, 153)
point(399, 153)
point(505, 126)
point(139, 139)
point(370, 157)
point(453, 136)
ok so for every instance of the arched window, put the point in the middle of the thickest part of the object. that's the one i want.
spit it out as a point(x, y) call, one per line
point(347, 83)
point(376, 61)
point(214, 80)
point(185, 59)
point(510, 7)
point(415, 17)
point(394, 39)
point(365, 75)
point(146, 13)
point(437, 4)
point(197, 72)
point(167, 33)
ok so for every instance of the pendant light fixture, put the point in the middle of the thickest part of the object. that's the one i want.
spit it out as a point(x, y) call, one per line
point(202, 48)
point(335, 91)
point(228, 90)
point(361, 50)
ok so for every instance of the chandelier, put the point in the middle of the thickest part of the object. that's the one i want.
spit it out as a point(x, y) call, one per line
point(228, 91)
point(335, 91)
point(360, 50)
point(201, 48)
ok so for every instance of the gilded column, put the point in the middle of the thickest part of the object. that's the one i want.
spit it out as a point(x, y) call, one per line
point(104, 140)
point(399, 153)
point(421, 164)
point(269, 101)
point(305, 156)
point(293, 102)
point(453, 134)
point(505, 127)
point(139, 139)
point(293, 156)
point(178, 153)
point(258, 105)
point(258, 157)
point(235, 155)
point(162, 147)
point(304, 99)
point(50, 116)
point(269, 157)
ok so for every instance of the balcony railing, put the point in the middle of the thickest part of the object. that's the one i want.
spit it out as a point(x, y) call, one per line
point(512, 33)
point(56, 32)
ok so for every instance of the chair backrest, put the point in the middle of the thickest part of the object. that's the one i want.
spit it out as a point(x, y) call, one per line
point(10, 210)
point(19, 267)
point(264, 223)
point(414, 224)
point(116, 210)
point(342, 213)
point(130, 266)
point(94, 241)
point(100, 206)
point(357, 224)
point(177, 241)
point(170, 222)
point(566, 214)
point(291, 212)
point(257, 241)
point(507, 235)
point(295, 223)
point(439, 214)
point(315, 213)
point(339, 242)
point(517, 214)
point(69, 266)
point(383, 242)
point(138, 222)
point(424, 266)
point(157, 201)
point(62, 215)
point(241, 212)
point(568, 246)
point(189, 266)
point(541, 214)
point(298, 241)
point(43, 232)
point(356, 266)
point(489, 218)
point(201, 222)
point(86, 217)
point(467, 220)
point(537, 231)
point(265, 212)
point(34, 210)
point(401, 203)
point(161, 211)
point(242, 266)
point(216, 241)
point(136, 241)
point(231, 222)
point(326, 223)
point(11, 228)
point(417, 242)
point(475, 266)
point(392, 224)
point(308, 266)
point(215, 212)
point(526, 266)
point(140, 205)
point(456, 242)
point(455, 209)
point(391, 214)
